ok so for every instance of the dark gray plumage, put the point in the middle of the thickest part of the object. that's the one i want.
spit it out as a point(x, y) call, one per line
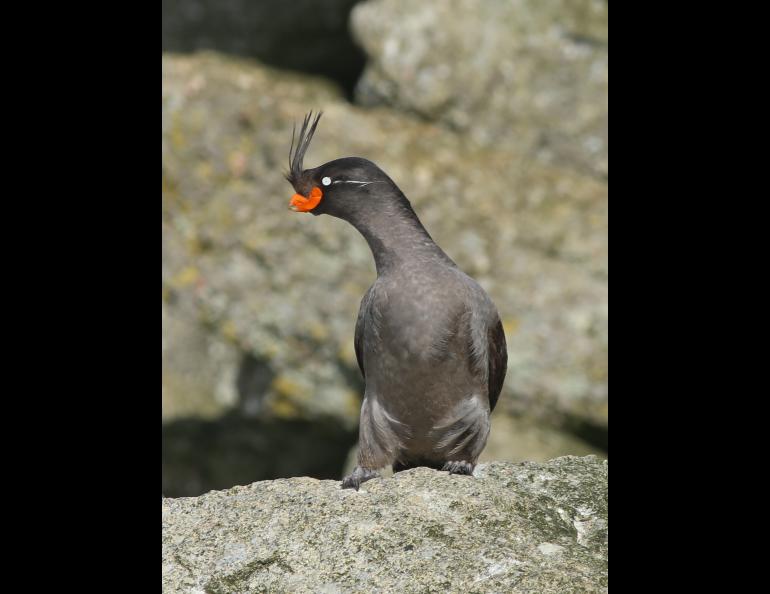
point(428, 338)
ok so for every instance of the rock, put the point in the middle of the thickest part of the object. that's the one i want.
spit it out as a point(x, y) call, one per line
point(532, 73)
point(197, 365)
point(512, 528)
point(259, 304)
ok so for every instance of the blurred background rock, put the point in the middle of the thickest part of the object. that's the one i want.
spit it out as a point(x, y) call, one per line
point(491, 117)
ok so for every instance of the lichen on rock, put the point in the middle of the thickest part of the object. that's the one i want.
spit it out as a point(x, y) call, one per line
point(246, 281)
point(530, 73)
point(511, 528)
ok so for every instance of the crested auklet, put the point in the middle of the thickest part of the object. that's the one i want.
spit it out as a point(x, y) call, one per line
point(428, 340)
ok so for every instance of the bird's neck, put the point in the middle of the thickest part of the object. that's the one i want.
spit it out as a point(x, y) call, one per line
point(397, 238)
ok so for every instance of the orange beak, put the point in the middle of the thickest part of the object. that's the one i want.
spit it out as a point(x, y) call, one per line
point(300, 203)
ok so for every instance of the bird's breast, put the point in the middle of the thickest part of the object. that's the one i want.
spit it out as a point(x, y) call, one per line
point(418, 329)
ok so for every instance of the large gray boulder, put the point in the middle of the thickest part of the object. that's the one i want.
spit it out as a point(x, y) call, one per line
point(532, 73)
point(512, 528)
point(259, 304)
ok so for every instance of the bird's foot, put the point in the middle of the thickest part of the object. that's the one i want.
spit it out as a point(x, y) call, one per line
point(459, 467)
point(358, 476)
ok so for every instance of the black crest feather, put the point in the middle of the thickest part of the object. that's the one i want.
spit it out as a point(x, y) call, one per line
point(297, 156)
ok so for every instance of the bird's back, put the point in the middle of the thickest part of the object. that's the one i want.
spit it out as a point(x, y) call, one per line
point(424, 345)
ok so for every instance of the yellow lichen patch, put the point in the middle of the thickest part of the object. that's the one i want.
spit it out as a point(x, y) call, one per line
point(195, 245)
point(352, 288)
point(254, 241)
point(197, 401)
point(204, 170)
point(289, 397)
point(347, 354)
point(604, 410)
point(185, 277)
point(318, 331)
point(284, 408)
point(352, 404)
point(222, 214)
point(178, 140)
point(287, 387)
point(510, 325)
point(598, 371)
point(168, 186)
point(230, 331)
point(272, 350)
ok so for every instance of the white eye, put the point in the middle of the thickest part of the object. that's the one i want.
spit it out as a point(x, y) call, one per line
point(326, 181)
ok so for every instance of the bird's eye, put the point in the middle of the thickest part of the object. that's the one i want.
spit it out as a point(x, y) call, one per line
point(326, 181)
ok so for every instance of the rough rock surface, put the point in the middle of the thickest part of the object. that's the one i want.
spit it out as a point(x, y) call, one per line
point(259, 303)
point(512, 528)
point(527, 72)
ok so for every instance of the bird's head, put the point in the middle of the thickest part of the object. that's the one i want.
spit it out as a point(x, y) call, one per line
point(337, 187)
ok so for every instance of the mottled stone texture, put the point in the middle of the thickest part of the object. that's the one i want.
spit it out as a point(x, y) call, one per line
point(530, 73)
point(259, 303)
point(512, 528)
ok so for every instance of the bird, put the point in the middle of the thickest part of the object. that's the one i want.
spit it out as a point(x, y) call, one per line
point(428, 340)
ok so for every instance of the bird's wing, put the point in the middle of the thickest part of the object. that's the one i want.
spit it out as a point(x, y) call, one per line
point(358, 341)
point(497, 361)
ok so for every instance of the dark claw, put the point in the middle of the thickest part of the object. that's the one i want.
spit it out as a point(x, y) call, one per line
point(358, 476)
point(459, 467)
